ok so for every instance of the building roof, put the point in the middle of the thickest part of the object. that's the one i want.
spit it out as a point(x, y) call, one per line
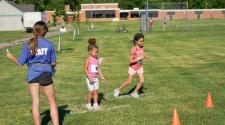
point(98, 6)
point(7, 9)
point(23, 7)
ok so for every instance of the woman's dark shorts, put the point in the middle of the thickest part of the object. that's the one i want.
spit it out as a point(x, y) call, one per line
point(44, 79)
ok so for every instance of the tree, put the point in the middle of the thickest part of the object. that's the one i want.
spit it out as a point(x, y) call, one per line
point(74, 4)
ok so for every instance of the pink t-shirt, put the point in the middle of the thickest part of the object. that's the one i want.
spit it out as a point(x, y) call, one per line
point(92, 67)
point(136, 53)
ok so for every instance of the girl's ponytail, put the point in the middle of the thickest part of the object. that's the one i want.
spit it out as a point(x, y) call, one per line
point(92, 41)
point(92, 44)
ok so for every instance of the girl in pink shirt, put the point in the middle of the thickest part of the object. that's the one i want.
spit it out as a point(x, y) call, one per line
point(135, 65)
point(92, 72)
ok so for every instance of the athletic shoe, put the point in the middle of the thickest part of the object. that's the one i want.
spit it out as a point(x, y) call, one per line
point(89, 107)
point(96, 107)
point(135, 95)
point(116, 93)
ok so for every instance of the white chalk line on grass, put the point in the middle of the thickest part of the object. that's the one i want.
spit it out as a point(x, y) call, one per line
point(128, 95)
point(100, 110)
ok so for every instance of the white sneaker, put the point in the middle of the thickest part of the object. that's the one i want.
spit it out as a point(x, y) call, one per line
point(135, 95)
point(96, 107)
point(116, 93)
point(89, 107)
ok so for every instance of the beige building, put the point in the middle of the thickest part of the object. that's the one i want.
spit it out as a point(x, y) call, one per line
point(111, 12)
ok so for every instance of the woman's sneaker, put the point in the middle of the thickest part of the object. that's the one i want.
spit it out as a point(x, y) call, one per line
point(135, 95)
point(89, 107)
point(116, 93)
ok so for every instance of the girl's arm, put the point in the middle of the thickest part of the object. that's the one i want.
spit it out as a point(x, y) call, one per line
point(100, 73)
point(86, 71)
point(132, 60)
point(146, 57)
point(12, 57)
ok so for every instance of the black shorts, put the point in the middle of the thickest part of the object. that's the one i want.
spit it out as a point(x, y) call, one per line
point(44, 79)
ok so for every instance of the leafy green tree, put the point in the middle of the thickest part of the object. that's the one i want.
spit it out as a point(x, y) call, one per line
point(42, 5)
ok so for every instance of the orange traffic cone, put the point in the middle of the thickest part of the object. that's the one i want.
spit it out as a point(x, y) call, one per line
point(208, 102)
point(175, 119)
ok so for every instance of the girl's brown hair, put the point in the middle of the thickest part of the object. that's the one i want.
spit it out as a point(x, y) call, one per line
point(137, 36)
point(39, 29)
point(92, 44)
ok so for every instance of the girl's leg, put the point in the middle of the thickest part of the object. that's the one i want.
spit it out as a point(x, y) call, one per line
point(34, 90)
point(96, 96)
point(95, 106)
point(89, 96)
point(90, 93)
point(141, 82)
point(50, 94)
point(126, 83)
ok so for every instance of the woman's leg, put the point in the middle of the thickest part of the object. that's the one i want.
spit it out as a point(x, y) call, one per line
point(34, 90)
point(50, 94)
point(126, 83)
point(141, 82)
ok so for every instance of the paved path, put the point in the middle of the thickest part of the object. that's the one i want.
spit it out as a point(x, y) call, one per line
point(8, 44)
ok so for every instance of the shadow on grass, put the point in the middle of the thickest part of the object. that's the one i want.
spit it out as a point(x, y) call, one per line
point(100, 98)
point(62, 113)
point(140, 91)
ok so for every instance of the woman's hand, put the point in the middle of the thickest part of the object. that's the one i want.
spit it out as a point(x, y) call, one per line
point(8, 54)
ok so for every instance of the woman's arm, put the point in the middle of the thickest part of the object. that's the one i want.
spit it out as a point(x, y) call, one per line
point(12, 57)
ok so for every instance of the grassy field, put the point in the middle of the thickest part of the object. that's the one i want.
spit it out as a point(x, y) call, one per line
point(13, 35)
point(8, 36)
point(184, 67)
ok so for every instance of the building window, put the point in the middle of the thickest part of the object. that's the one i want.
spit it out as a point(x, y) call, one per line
point(152, 13)
point(100, 14)
point(134, 14)
point(171, 13)
point(123, 15)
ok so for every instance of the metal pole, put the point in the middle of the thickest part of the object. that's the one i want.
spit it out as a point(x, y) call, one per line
point(91, 10)
point(211, 17)
point(187, 25)
point(59, 43)
point(74, 34)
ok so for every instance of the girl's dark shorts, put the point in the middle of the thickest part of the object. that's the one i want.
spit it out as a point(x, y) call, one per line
point(44, 79)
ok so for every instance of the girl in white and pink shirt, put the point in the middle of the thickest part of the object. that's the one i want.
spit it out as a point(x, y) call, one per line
point(135, 65)
point(92, 71)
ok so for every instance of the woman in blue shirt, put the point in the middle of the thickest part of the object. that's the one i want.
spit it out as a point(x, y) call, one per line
point(39, 55)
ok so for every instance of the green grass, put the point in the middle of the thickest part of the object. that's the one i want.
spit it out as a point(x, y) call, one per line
point(13, 35)
point(184, 67)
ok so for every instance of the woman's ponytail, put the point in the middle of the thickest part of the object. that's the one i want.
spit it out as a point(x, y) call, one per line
point(33, 45)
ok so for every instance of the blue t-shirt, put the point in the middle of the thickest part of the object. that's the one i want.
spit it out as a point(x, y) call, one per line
point(42, 60)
